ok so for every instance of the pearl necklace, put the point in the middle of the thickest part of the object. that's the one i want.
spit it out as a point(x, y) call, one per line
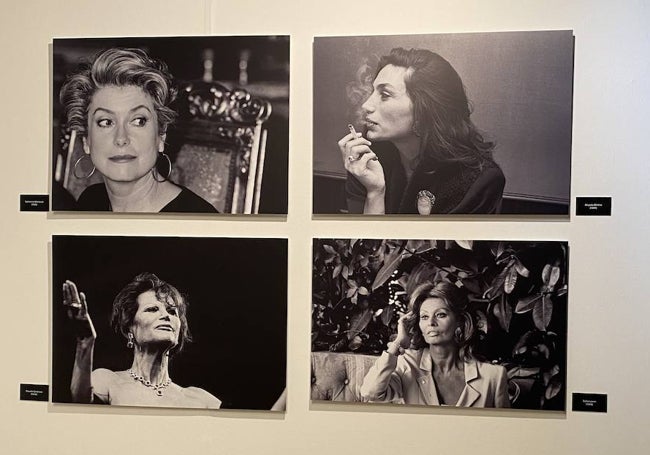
point(158, 388)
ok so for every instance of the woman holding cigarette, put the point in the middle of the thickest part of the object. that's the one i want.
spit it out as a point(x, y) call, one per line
point(420, 152)
point(119, 105)
point(431, 362)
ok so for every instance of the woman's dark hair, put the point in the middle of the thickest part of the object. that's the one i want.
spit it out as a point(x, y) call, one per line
point(441, 109)
point(457, 302)
point(125, 305)
point(118, 67)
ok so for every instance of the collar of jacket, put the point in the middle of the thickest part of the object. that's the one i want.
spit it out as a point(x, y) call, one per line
point(427, 385)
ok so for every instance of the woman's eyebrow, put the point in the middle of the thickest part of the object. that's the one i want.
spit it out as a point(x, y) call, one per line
point(384, 86)
point(104, 109)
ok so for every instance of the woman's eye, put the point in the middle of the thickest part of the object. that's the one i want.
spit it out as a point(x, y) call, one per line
point(139, 121)
point(423, 317)
point(384, 95)
point(441, 315)
point(172, 311)
point(152, 309)
point(104, 122)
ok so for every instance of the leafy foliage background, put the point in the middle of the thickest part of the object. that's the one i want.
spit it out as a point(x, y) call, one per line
point(518, 294)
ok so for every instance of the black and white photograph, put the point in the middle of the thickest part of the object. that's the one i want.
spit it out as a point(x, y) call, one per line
point(169, 322)
point(468, 323)
point(459, 123)
point(171, 124)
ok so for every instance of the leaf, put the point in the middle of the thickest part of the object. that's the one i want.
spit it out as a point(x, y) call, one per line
point(345, 273)
point(363, 291)
point(549, 374)
point(351, 292)
point(387, 315)
point(555, 276)
point(337, 270)
point(352, 242)
point(392, 262)
point(355, 343)
point(522, 372)
point(553, 389)
point(465, 244)
point(562, 291)
point(330, 249)
point(503, 312)
point(521, 269)
point(527, 303)
point(358, 323)
point(546, 273)
point(542, 312)
point(511, 279)
point(497, 284)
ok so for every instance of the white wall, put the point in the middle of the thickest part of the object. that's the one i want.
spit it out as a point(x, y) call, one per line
point(608, 300)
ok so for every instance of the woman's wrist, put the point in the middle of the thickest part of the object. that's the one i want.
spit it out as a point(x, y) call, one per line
point(394, 348)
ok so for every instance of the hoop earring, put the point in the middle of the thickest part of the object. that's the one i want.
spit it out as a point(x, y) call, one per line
point(74, 169)
point(154, 170)
point(129, 342)
point(458, 335)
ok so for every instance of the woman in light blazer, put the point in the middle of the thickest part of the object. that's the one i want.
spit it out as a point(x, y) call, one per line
point(431, 361)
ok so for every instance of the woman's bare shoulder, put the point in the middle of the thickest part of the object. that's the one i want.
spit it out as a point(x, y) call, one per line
point(205, 397)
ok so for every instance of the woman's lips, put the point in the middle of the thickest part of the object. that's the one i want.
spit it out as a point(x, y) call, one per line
point(122, 158)
point(370, 123)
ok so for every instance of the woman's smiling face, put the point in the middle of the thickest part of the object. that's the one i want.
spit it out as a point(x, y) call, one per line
point(123, 140)
point(437, 322)
point(155, 322)
point(388, 111)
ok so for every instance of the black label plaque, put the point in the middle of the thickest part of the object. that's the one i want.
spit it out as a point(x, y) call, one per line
point(34, 202)
point(594, 206)
point(34, 392)
point(590, 402)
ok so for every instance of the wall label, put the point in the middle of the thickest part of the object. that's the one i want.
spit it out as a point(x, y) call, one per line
point(590, 402)
point(594, 206)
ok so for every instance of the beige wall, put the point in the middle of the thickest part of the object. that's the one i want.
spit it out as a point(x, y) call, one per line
point(608, 313)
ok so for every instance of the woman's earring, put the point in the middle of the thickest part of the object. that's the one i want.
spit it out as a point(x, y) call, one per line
point(458, 335)
point(129, 342)
point(154, 170)
point(74, 169)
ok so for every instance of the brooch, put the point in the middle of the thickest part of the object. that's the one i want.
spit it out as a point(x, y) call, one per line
point(425, 202)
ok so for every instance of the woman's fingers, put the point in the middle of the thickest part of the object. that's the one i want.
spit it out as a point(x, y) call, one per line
point(348, 146)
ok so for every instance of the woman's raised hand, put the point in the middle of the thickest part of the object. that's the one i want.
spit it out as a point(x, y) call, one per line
point(77, 309)
point(360, 161)
point(403, 339)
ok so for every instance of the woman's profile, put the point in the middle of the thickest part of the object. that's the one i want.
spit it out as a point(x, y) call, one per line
point(151, 316)
point(119, 106)
point(420, 152)
point(431, 361)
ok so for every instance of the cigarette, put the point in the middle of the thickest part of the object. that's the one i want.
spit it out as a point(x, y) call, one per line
point(354, 132)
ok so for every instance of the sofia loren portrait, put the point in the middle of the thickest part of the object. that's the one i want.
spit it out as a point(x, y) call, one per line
point(419, 151)
point(431, 361)
point(151, 316)
point(119, 105)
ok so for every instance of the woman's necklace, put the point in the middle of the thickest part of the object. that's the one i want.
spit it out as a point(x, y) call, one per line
point(158, 388)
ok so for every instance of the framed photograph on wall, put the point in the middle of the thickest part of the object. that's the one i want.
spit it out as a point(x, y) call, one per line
point(440, 322)
point(462, 123)
point(171, 124)
point(169, 321)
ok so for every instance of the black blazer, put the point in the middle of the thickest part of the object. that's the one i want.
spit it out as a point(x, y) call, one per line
point(458, 189)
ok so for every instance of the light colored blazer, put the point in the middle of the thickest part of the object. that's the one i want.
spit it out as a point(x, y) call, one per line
point(407, 378)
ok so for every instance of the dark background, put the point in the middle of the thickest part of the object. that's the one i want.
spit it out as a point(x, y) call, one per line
point(237, 293)
point(520, 87)
point(268, 73)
